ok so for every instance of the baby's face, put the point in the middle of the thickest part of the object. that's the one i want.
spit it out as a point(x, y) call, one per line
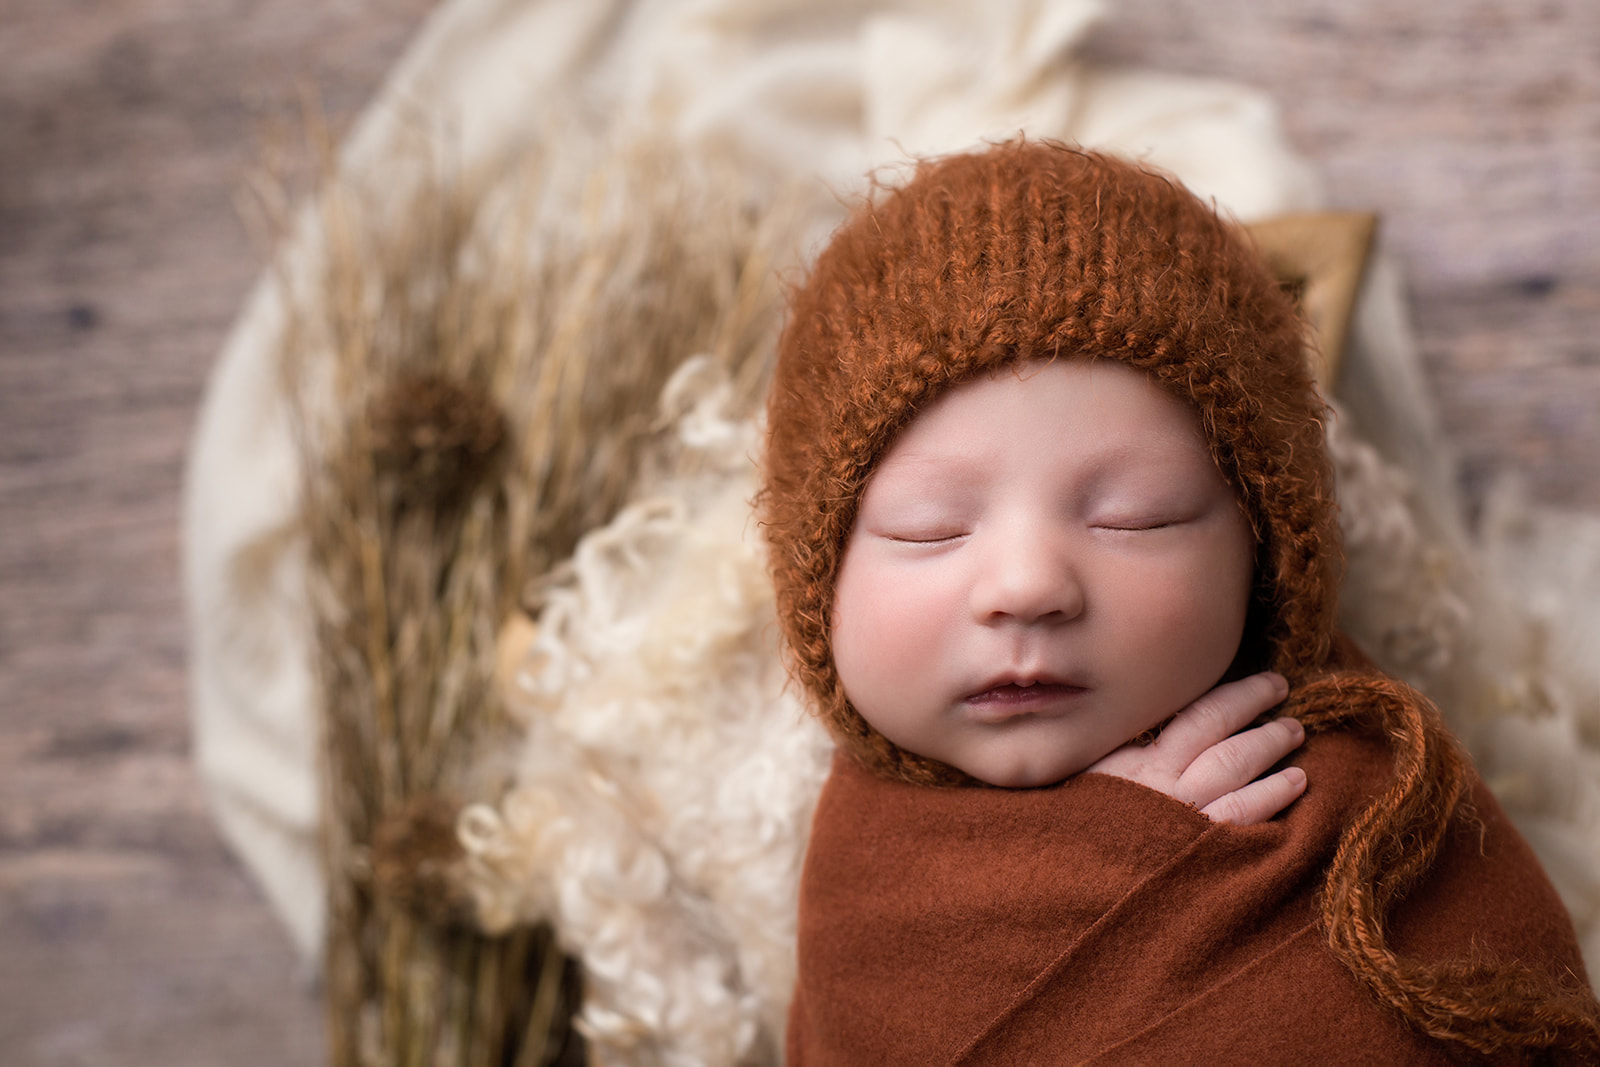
point(1045, 564)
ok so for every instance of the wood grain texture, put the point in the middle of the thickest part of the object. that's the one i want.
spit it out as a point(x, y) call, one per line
point(127, 935)
point(1473, 128)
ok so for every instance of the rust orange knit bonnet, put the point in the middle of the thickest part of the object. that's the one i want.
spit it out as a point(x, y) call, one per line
point(1031, 251)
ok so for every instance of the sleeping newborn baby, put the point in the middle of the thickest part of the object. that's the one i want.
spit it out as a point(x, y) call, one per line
point(1052, 531)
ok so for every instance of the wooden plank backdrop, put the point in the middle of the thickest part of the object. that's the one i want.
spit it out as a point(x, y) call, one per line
point(127, 933)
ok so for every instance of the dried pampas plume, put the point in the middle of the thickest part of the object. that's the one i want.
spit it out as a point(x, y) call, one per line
point(434, 440)
point(418, 864)
point(472, 362)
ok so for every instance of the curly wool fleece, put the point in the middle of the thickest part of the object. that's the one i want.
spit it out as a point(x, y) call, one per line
point(1038, 251)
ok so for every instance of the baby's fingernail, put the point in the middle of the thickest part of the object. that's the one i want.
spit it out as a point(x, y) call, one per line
point(1278, 681)
point(1295, 777)
point(1295, 727)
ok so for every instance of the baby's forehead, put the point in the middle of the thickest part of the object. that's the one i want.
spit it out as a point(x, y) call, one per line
point(1049, 397)
point(1100, 418)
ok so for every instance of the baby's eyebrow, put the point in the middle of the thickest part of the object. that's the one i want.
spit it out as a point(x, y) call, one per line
point(940, 460)
point(963, 460)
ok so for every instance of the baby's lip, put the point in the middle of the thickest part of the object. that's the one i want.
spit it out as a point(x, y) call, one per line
point(1024, 689)
point(1008, 700)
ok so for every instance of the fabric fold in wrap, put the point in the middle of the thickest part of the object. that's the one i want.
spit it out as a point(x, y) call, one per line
point(1101, 921)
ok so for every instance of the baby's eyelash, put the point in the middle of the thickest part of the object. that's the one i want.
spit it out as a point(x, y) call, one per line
point(904, 540)
point(1137, 527)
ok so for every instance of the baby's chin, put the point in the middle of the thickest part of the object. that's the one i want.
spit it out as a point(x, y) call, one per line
point(1027, 754)
point(1018, 772)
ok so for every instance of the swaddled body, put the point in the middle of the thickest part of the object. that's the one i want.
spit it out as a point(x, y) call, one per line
point(1101, 921)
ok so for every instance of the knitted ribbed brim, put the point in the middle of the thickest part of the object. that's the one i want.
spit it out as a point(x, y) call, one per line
point(1027, 251)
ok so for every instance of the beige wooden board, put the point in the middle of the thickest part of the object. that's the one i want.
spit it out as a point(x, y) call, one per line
point(1473, 128)
point(127, 935)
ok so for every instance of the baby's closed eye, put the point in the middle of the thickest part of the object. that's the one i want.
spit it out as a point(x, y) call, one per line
point(916, 522)
point(1136, 515)
point(1136, 525)
point(1136, 520)
point(935, 536)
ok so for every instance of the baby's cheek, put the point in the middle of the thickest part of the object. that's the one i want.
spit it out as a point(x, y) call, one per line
point(875, 613)
point(888, 631)
point(1196, 622)
point(862, 607)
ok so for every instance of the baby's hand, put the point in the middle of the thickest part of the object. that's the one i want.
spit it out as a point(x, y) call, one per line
point(1204, 758)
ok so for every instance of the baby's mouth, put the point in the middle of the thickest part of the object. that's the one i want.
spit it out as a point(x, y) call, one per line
point(1024, 696)
point(1026, 691)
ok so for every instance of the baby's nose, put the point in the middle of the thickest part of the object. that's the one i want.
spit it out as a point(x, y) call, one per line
point(1028, 577)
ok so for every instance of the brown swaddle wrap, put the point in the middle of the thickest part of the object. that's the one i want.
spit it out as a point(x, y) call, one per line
point(1101, 921)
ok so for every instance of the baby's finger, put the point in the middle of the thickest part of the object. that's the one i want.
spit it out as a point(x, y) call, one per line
point(1258, 801)
point(1220, 714)
point(1235, 762)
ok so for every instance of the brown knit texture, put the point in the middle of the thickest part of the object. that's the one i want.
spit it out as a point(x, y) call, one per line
point(1037, 251)
point(1491, 1006)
